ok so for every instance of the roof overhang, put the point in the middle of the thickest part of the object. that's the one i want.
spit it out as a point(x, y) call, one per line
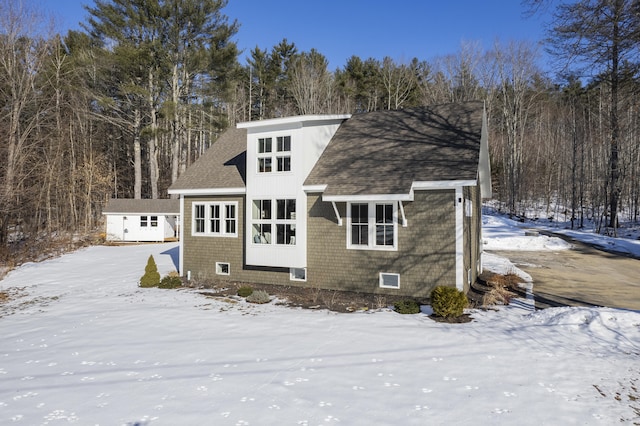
point(209, 191)
point(415, 186)
point(299, 120)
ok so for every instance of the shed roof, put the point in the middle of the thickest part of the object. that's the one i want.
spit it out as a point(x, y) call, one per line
point(131, 206)
point(221, 166)
point(384, 152)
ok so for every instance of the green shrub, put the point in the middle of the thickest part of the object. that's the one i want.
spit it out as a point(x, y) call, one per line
point(448, 302)
point(245, 291)
point(170, 281)
point(151, 277)
point(259, 296)
point(408, 306)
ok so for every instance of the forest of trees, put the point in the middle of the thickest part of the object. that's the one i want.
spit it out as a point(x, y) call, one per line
point(121, 108)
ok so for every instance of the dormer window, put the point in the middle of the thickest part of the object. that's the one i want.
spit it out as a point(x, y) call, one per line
point(281, 158)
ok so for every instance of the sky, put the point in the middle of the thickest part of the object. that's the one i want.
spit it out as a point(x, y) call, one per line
point(81, 343)
point(338, 29)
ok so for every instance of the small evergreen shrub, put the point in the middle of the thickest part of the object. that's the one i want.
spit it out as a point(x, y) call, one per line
point(245, 291)
point(151, 277)
point(172, 280)
point(448, 302)
point(259, 296)
point(408, 306)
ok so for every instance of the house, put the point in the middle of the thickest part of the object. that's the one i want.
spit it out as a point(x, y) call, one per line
point(384, 202)
point(142, 220)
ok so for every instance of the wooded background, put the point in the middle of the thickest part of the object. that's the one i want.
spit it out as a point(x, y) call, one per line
point(123, 107)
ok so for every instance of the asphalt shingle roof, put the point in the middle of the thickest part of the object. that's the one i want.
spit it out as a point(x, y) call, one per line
point(384, 152)
point(221, 166)
point(131, 206)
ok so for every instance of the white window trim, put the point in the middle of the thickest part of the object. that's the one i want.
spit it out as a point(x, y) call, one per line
point(207, 218)
point(381, 280)
point(274, 222)
point(372, 227)
point(292, 276)
point(219, 268)
point(274, 155)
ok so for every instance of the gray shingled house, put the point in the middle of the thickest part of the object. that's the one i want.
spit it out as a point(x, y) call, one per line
point(141, 220)
point(383, 202)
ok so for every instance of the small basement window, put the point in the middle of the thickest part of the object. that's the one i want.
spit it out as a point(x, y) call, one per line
point(222, 268)
point(389, 280)
point(298, 274)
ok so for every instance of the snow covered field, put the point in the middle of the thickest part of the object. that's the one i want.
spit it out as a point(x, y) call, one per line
point(83, 345)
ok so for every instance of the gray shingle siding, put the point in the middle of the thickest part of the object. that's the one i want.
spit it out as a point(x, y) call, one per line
point(425, 256)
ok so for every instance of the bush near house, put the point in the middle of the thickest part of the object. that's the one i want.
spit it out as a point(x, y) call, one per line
point(448, 302)
point(259, 296)
point(151, 277)
point(245, 291)
point(171, 280)
point(408, 306)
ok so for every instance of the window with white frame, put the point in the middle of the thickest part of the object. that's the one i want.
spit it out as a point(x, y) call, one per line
point(274, 158)
point(223, 268)
point(273, 216)
point(217, 219)
point(298, 274)
point(283, 153)
point(372, 225)
point(265, 150)
point(389, 280)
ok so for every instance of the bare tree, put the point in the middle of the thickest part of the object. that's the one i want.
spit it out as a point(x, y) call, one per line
point(601, 36)
point(22, 56)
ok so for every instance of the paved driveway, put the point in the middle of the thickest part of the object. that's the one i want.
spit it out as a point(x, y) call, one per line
point(582, 276)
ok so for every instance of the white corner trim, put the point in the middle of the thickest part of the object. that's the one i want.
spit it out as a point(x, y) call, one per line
point(209, 191)
point(181, 244)
point(459, 210)
point(335, 209)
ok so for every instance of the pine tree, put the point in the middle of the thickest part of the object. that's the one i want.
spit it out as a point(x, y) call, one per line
point(151, 277)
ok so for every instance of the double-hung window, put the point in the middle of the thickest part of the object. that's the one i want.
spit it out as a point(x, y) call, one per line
point(144, 221)
point(265, 148)
point(274, 157)
point(372, 225)
point(219, 219)
point(283, 153)
point(269, 216)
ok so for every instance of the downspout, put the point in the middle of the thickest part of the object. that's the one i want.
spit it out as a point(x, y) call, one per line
point(459, 235)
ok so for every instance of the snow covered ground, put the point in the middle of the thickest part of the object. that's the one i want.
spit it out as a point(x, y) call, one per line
point(84, 345)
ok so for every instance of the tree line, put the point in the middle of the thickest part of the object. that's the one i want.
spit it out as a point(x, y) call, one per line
point(121, 108)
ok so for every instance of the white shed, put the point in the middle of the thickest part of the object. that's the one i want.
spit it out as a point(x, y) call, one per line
point(142, 220)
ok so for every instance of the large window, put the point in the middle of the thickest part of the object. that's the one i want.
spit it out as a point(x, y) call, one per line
point(274, 215)
point(215, 219)
point(270, 156)
point(372, 226)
